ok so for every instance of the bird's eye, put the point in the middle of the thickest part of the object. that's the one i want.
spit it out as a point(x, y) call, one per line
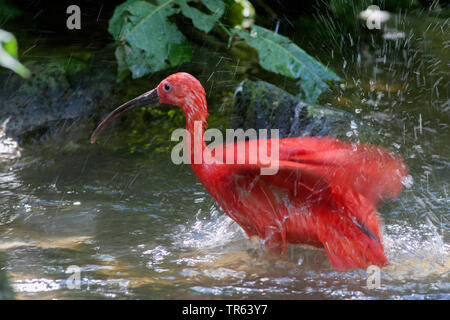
point(166, 87)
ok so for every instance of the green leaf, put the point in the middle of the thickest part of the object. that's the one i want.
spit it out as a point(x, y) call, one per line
point(9, 53)
point(201, 20)
point(280, 55)
point(118, 20)
point(11, 47)
point(122, 66)
point(147, 37)
point(148, 41)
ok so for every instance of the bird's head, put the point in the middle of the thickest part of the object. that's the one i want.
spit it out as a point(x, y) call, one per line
point(180, 89)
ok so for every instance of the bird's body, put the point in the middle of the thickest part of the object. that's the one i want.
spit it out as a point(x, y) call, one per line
point(324, 193)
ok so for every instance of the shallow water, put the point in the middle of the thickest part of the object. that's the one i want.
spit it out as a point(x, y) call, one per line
point(139, 227)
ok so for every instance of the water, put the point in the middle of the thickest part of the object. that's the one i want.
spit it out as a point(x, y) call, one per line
point(139, 227)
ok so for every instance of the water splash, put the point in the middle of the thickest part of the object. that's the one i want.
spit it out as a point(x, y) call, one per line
point(416, 252)
point(9, 148)
point(215, 230)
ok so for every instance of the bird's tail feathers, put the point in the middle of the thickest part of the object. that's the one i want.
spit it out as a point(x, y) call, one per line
point(352, 238)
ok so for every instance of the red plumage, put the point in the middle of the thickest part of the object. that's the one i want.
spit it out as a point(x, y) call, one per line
point(325, 192)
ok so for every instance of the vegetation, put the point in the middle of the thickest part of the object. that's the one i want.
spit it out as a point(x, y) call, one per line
point(8, 54)
point(148, 41)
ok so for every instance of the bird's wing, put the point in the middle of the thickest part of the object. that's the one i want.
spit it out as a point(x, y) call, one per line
point(369, 170)
point(341, 181)
point(316, 162)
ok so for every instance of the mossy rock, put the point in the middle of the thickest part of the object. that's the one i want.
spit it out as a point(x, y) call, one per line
point(261, 105)
point(60, 91)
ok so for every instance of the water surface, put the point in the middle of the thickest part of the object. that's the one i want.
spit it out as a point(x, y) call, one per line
point(139, 227)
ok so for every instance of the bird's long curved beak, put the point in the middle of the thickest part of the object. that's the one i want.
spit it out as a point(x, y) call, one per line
point(150, 97)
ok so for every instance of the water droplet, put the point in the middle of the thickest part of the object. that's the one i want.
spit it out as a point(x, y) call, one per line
point(407, 181)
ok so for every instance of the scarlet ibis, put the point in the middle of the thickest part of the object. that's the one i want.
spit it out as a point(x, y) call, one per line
point(324, 193)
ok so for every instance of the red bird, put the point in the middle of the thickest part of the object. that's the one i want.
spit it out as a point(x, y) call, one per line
point(324, 193)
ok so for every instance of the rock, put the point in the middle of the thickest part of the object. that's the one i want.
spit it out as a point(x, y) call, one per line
point(60, 90)
point(261, 105)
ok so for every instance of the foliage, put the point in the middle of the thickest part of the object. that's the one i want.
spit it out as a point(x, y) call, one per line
point(9, 52)
point(280, 55)
point(148, 41)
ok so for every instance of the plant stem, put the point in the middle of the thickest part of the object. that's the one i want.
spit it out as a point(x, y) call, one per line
point(228, 32)
point(225, 28)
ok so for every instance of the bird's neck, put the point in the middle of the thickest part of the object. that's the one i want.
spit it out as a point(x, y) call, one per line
point(195, 129)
